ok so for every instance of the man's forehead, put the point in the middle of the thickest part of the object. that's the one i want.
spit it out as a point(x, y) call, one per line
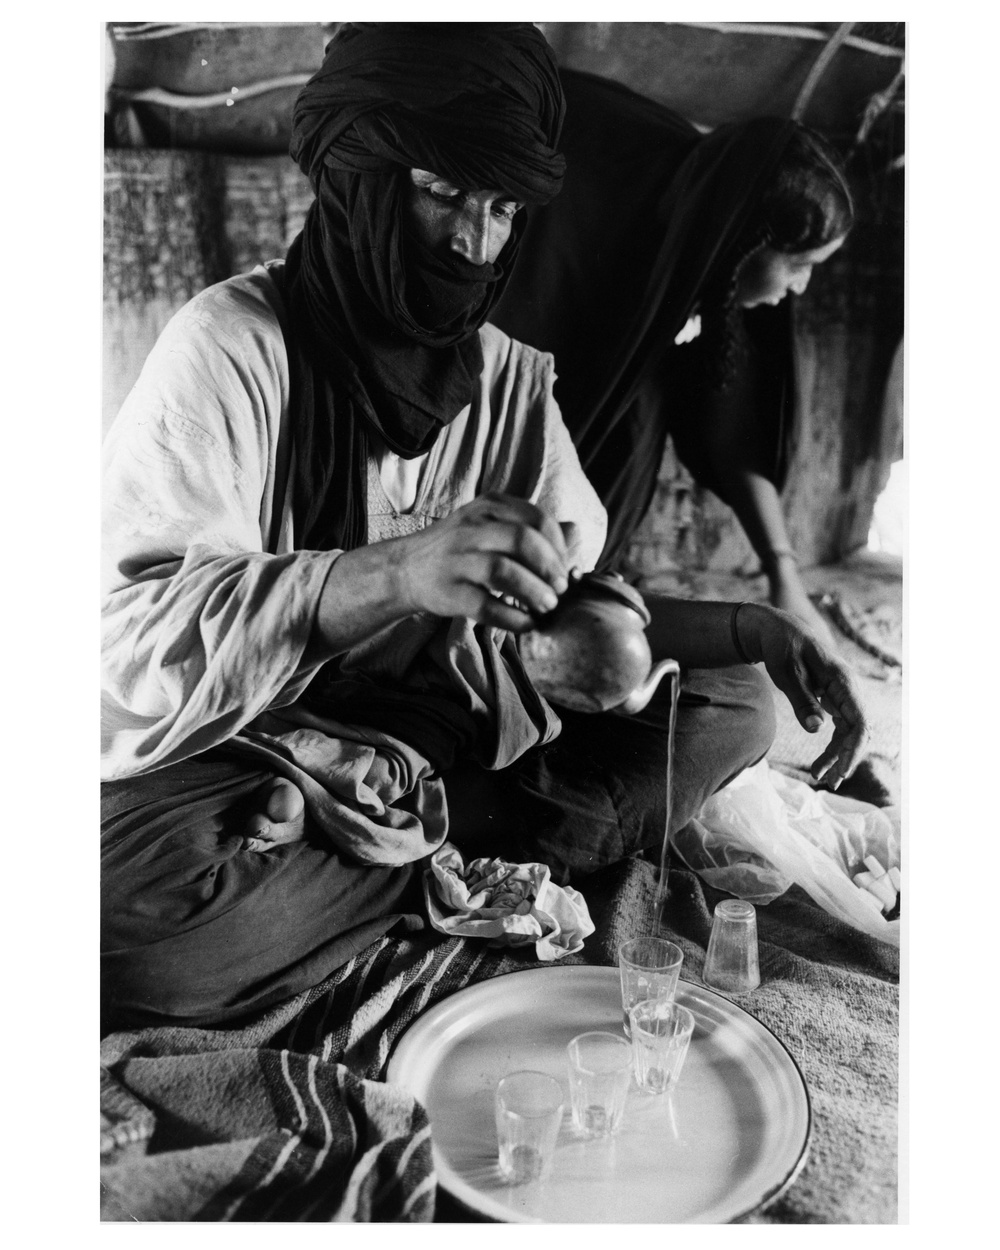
point(426, 178)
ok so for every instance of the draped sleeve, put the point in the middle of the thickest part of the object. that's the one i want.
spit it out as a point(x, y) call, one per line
point(203, 626)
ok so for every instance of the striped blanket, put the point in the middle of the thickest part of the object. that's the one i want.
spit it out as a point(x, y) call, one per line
point(286, 1119)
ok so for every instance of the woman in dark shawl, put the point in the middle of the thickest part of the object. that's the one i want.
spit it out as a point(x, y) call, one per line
point(652, 228)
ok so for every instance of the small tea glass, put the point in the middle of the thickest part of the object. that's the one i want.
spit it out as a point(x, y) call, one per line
point(650, 968)
point(529, 1111)
point(732, 962)
point(661, 1035)
point(600, 1073)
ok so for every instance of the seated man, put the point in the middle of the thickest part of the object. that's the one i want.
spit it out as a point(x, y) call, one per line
point(334, 498)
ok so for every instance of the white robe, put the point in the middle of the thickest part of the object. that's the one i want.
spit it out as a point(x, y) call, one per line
point(208, 608)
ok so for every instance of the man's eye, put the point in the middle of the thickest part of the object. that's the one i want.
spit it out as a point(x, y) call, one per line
point(444, 195)
point(506, 209)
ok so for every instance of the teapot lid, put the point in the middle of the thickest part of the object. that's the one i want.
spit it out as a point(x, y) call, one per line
point(613, 586)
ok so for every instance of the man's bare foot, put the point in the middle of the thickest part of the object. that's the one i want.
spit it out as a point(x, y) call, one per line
point(282, 819)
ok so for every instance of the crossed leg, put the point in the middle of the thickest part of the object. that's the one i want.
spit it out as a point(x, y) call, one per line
point(598, 792)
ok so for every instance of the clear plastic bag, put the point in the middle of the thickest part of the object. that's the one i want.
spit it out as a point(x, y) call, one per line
point(765, 832)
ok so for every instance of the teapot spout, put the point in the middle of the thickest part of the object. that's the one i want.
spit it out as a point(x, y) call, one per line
point(641, 695)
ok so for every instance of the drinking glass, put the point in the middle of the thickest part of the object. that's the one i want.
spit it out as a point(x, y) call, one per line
point(650, 968)
point(529, 1109)
point(600, 1072)
point(661, 1034)
point(731, 962)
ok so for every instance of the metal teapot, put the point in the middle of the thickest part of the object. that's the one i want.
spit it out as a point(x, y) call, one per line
point(590, 653)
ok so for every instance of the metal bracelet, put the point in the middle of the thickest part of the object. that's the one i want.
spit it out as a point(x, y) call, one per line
point(736, 638)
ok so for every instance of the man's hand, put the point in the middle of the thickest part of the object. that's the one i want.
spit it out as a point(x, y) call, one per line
point(463, 565)
point(495, 546)
point(814, 680)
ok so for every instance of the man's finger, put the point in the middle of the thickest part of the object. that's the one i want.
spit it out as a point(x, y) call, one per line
point(519, 512)
point(503, 615)
point(808, 713)
point(839, 760)
point(514, 559)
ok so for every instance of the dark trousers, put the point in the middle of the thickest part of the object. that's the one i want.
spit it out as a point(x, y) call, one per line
point(196, 930)
point(598, 792)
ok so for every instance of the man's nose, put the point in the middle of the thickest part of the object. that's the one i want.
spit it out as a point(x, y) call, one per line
point(800, 282)
point(471, 239)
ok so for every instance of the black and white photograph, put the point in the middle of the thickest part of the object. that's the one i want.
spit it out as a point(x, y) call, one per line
point(504, 523)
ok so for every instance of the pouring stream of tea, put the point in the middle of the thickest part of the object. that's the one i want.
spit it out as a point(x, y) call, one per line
point(673, 673)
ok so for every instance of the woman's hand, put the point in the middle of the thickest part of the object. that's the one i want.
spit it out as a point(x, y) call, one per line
point(787, 592)
point(815, 682)
point(495, 546)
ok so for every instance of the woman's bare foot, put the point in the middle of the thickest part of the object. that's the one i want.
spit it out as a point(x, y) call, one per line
point(282, 819)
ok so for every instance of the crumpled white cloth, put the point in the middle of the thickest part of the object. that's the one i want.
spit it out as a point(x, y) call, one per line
point(511, 904)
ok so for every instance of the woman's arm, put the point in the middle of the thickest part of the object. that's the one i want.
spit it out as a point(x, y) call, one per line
point(725, 448)
point(757, 505)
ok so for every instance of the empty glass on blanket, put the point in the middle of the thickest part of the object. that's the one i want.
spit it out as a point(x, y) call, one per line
point(731, 963)
point(600, 1072)
point(529, 1111)
point(661, 1034)
point(650, 968)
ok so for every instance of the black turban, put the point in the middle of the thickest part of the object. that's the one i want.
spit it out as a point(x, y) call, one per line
point(383, 335)
point(479, 103)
